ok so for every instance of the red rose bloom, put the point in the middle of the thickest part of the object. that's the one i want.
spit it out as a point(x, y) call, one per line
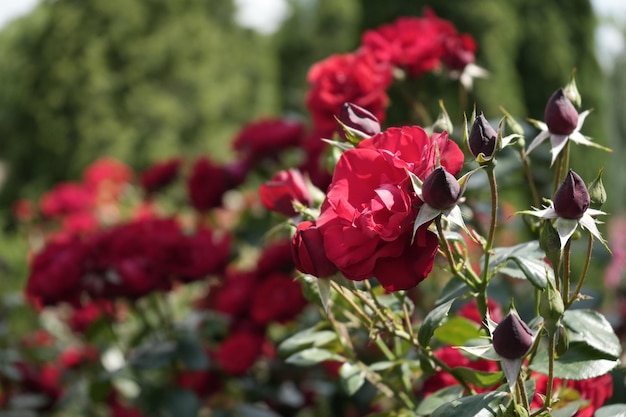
point(208, 182)
point(66, 198)
point(107, 170)
point(56, 273)
point(160, 174)
point(235, 294)
point(367, 218)
point(277, 298)
point(267, 137)
point(282, 190)
point(307, 250)
point(355, 78)
point(239, 352)
point(276, 257)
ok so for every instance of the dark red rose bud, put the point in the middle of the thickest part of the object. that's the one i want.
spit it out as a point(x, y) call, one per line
point(572, 199)
point(307, 250)
point(512, 338)
point(482, 138)
point(560, 115)
point(440, 189)
point(358, 121)
point(284, 188)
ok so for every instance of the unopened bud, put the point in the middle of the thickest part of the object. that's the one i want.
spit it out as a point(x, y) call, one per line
point(482, 138)
point(512, 338)
point(551, 308)
point(572, 199)
point(356, 123)
point(307, 250)
point(597, 193)
point(560, 115)
point(440, 189)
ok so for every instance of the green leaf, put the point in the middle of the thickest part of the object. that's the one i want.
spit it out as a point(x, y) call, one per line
point(579, 362)
point(190, 352)
point(570, 409)
point(437, 399)
point(592, 328)
point(394, 302)
point(613, 410)
point(433, 320)
point(312, 356)
point(351, 377)
point(457, 331)
point(384, 365)
point(310, 337)
point(480, 379)
point(483, 405)
point(153, 354)
point(537, 271)
point(527, 263)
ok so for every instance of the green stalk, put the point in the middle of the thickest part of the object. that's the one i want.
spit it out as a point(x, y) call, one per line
point(551, 357)
point(583, 275)
point(485, 276)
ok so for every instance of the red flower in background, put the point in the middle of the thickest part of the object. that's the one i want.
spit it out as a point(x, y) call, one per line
point(66, 198)
point(267, 137)
point(278, 298)
point(419, 45)
point(238, 352)
point(356, 78)
point(208, 182)
point(56, 272)
point(453, 357)
point(160, 174)
point(282, 190)
point(595, 390)
point(367, 217)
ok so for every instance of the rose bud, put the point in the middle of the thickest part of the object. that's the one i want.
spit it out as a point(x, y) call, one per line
point(512, 338)
point(285, 187)
point(572, 199)
point(482, 138)
point(560, 115)
point(440, 189)
point(355, 122)
point(307, 250)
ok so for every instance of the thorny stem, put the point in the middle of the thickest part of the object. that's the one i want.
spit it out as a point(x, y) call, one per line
point(445, 247)
point(521, 389)
point(482, 293)
point(583, 275)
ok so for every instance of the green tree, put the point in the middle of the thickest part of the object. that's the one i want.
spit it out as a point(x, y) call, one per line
point(133, 79)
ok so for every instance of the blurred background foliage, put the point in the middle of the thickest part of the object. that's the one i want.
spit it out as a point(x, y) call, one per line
point(141, 80)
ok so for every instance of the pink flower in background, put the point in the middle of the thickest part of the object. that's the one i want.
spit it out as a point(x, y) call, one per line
point(66, 198)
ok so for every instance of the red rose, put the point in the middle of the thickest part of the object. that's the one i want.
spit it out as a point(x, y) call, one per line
point(277, 298)
point(160, 174)
point(307, 250)
point(367, 218)
point(208, 182)
point(83, 317)
point(56, 273)
point(459, 52)
point(235, 294)
point(238, 352)
point(276, 257)
point(595, 390)
point(267, 137)
point(75, 356)
point(107, 170)
point(66, 198)
point(355, 78)
point(282, 190)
